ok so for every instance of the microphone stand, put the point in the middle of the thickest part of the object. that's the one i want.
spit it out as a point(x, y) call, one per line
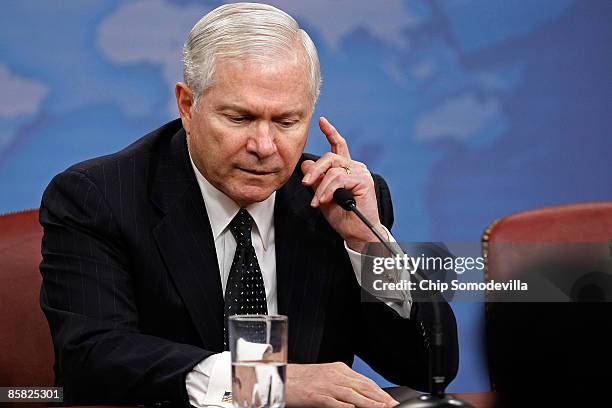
point(437, 398)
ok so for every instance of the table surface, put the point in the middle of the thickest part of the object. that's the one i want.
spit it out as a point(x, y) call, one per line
point(477, 399)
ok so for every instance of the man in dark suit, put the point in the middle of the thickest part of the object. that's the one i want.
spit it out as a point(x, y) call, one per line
point(141, 248)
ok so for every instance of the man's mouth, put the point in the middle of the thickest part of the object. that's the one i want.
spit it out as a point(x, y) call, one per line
point(256, 172)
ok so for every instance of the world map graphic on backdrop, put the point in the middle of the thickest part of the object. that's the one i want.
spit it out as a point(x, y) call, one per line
point(471, 109)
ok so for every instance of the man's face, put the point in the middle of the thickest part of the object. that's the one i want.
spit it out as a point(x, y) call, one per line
point(251, 127)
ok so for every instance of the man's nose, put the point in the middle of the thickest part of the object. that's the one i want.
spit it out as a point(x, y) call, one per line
point(263, 142)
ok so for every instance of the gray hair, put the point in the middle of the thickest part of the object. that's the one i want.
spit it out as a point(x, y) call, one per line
point(244, 31)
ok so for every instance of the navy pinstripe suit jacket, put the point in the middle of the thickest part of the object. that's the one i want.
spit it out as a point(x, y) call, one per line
point(132, 291)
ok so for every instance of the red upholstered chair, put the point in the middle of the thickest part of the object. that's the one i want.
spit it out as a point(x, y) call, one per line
point(582, 222)
point(545, 353)
point(577, 223)
point(26, 350)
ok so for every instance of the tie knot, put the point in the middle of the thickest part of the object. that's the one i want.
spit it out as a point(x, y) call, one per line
point(241, 227)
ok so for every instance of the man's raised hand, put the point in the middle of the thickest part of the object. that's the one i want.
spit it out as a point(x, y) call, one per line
point(336, 169)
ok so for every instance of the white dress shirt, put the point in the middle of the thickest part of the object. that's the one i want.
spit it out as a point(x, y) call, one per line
point(211, 378)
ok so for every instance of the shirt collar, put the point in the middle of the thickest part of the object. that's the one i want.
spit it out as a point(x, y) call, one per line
point(222, 209)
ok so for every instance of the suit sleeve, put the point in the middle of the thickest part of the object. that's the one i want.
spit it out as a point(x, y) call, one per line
point(88, 298)
point(383, 330)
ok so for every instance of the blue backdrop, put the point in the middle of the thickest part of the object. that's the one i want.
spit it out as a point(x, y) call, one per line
point(471, 109)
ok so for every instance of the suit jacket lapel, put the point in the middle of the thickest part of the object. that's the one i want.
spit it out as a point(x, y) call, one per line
point(185, 241)
point(302, 280)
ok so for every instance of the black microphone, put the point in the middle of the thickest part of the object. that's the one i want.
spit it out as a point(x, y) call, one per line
point(437, 398)
point(345, 199)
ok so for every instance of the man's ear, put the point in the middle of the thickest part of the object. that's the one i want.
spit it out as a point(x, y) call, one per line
point(184, 101)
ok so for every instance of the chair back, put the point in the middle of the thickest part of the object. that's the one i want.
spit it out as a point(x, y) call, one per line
point(582, 223)
point(547, 353)
point(26, 350)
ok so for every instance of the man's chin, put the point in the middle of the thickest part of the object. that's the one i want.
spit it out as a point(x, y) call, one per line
point(251, 195)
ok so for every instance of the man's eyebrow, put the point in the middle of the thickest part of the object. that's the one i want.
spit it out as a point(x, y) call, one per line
point(294, 112)
point(236, 108)
point(244, 111)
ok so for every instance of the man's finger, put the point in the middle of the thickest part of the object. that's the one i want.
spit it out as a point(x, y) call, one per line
point(336, 141)
point(307, 165)
point(317, 170)
point(324, 193)
point(311, 179)
point(374, 392)
point(352, 396)
point(336, 177)
point(325, 401)
point(370, 389)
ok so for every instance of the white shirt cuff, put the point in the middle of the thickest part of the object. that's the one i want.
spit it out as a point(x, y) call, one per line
point(210, 380)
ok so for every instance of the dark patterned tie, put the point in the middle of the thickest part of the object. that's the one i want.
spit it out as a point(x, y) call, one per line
point(245, 292)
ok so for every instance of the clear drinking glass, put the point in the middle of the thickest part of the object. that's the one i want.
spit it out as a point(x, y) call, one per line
point(258, 344)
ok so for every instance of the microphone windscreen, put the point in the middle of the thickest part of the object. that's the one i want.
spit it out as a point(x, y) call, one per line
point(344, 198)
